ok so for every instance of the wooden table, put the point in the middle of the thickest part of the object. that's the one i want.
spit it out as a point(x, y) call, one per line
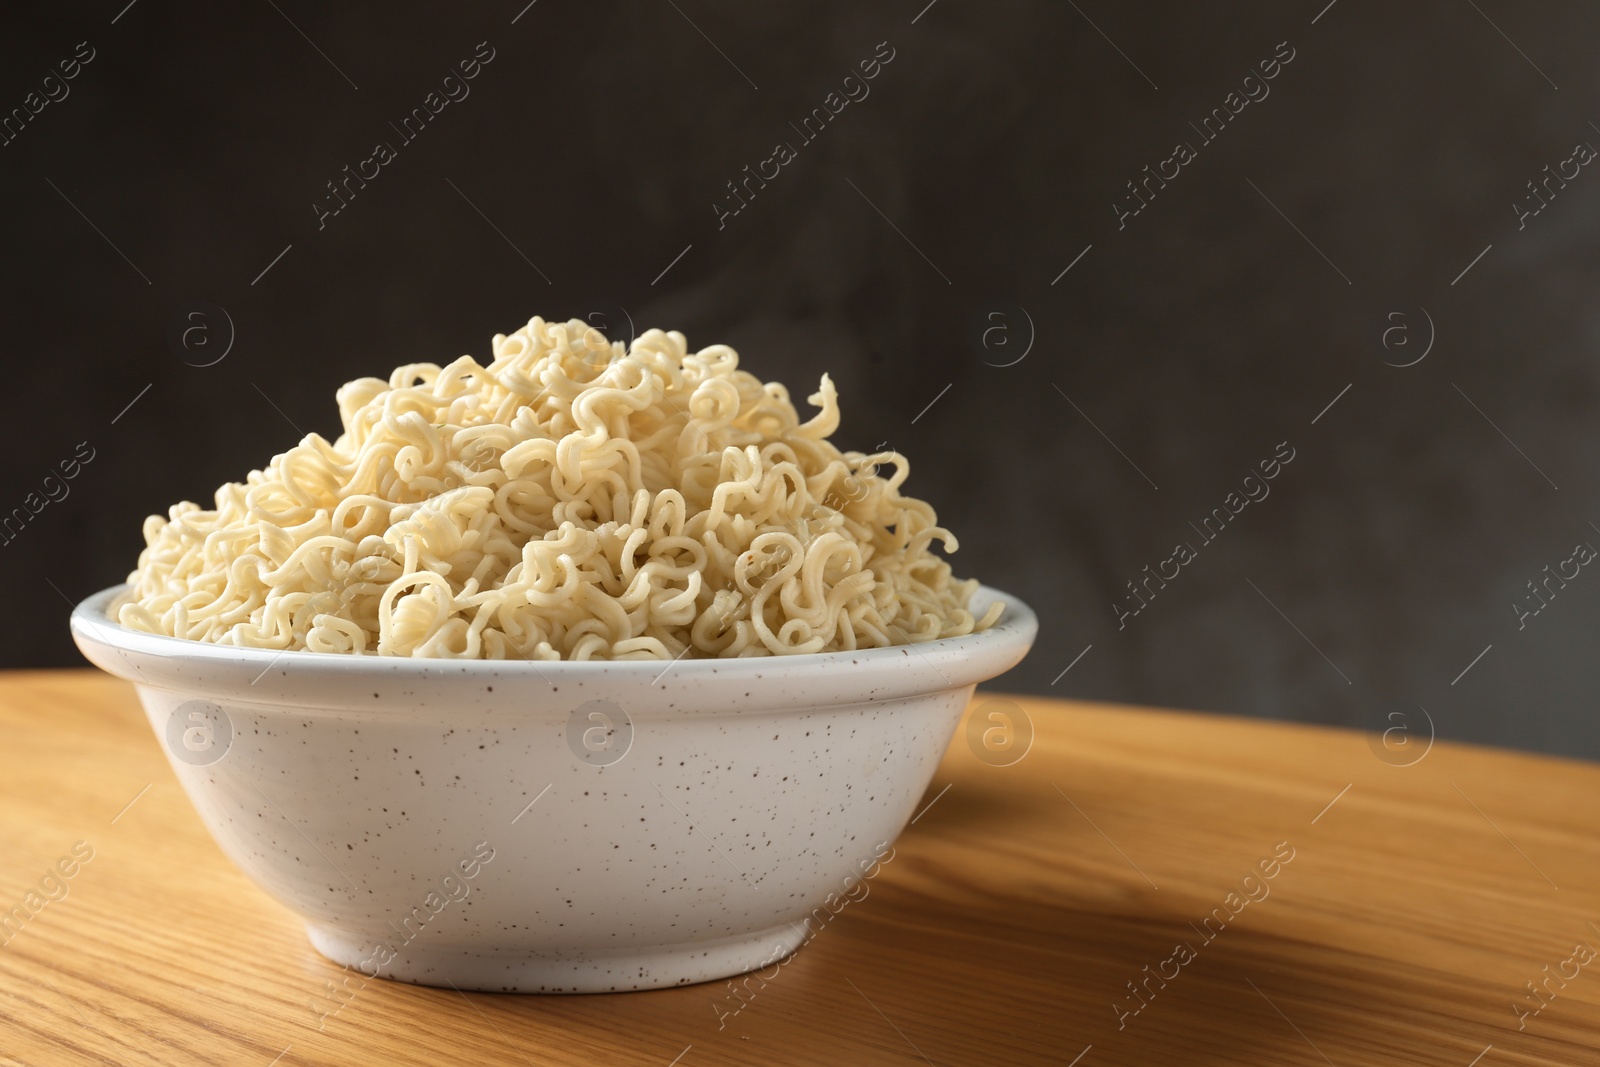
point(1007, 929)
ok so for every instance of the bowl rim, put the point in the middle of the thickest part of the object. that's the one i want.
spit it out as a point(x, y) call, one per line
point(94, 630)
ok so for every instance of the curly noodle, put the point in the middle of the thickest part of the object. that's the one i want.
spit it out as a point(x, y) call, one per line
point(572, 500)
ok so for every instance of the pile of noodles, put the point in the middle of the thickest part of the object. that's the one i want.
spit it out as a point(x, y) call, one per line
point(571, 500)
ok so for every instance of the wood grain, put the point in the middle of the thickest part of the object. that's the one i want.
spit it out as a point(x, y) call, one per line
point(1004, 931)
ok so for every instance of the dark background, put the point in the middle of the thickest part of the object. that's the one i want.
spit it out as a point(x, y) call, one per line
point(1218, 323)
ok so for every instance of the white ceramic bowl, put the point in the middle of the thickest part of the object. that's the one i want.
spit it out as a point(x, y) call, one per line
point(554, 827)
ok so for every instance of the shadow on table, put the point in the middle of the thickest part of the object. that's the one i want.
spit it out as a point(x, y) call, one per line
point(1008, 931)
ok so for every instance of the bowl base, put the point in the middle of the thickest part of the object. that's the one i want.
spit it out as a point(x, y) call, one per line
point(620, 971)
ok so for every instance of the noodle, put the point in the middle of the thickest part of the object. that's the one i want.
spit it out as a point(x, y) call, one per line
point(572, 500)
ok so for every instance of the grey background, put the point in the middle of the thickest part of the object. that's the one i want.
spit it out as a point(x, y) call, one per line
point(1219, 322)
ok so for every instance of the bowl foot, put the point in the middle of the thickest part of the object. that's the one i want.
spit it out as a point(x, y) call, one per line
point(614, 971)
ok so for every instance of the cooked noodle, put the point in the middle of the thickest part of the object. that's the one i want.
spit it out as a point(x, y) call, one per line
point(572, 500)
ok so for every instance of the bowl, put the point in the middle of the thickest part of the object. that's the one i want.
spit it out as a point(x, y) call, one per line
point(524, 826)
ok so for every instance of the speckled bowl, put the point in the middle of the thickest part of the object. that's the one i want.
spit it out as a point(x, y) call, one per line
point(553, 827)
